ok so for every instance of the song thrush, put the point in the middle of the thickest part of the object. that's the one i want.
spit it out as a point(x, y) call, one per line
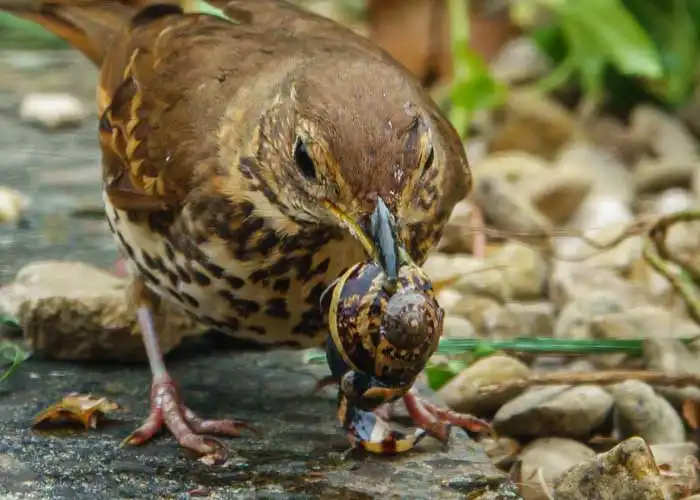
point(249, 161)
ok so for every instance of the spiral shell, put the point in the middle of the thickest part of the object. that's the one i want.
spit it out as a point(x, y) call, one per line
point(376, 332)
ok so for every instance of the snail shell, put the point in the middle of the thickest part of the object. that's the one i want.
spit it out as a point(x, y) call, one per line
point(387, 335)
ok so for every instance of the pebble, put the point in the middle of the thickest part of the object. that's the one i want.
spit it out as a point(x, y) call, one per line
point(12, 204)
point(458, 328)
point(74, 311)
point(550, 457)
point(640, 411)
point(665, 135)
point(461, 393)
point(561, 411)
point(626, 472)
point(534, 123)
point(52, 111)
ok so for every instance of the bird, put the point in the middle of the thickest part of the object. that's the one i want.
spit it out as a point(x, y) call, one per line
point(251, 153)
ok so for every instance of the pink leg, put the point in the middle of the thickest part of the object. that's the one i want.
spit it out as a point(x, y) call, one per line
point(168, 411)
point(436, 420)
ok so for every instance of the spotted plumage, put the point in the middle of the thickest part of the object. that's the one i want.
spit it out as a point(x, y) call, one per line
point(256, 301)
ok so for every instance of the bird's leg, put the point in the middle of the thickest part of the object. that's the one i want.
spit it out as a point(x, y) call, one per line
point(437, 421)
point(166, 408)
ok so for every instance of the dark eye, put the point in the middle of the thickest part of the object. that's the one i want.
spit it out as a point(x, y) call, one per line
point(429, 161)
point(304, 162)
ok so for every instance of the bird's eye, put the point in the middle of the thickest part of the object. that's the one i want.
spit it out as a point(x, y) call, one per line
point(429, 161)
point(304, 162)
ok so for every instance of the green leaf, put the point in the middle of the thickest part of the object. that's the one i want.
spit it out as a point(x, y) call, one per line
point(441, 373)
point(674, 27)
point(6, 319)
point(14, 354)
point(606, 28)
point(202, 7)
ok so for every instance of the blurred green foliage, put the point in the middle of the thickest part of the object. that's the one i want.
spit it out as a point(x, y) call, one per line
point(11, 356)
point(615, 51)
point(622, 49)
point(17, 33)
point(473, 88)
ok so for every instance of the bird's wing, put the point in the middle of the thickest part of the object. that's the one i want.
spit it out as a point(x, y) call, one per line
point(158, 126)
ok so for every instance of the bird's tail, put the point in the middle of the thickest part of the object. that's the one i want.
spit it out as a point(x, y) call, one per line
point(90, 26)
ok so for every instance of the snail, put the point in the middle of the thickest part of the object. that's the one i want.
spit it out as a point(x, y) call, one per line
point(380, 339)
point(382, 335)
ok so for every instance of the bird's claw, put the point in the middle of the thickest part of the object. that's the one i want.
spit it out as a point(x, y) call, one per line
point(369, 431)
point(438, 421)
point(185, 425)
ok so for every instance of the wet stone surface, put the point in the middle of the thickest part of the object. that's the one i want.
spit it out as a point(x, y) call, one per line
point(298, 455)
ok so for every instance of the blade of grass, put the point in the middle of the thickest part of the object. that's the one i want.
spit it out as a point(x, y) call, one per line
point(15, 355)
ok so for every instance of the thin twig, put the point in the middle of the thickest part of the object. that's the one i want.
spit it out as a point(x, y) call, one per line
point(656, 253)
point(597, 378)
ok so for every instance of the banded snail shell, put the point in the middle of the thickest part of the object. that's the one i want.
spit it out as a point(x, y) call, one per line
point(387, 335)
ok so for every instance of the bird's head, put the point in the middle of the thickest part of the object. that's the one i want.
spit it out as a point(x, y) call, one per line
point(357, 145)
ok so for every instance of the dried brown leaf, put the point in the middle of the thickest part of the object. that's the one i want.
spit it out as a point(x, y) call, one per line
point(691, 413)
point(76, 408)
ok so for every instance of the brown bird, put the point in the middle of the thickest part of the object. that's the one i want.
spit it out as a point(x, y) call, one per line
point(248, 161)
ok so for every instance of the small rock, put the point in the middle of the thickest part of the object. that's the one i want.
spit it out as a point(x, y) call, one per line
point(610, 178)
point(458, 328)
point(554, 411)
point(502, 450)
point(458, 235)
point(572, 280)
point(574, 320)
point(626, 472)
point(519, 61)
point(557, 194)
point(601, 210)
point(12, 203)
point(516, 272)
point(510, 166)
point(673, 357)
point(639, 411)
point(680, 238)
point(462, 392)
point(551, 456)
point(74, 311)
point(449, 300)
point(479, 310)
point(506, 209)
point(668, 452)
point(678, 459)
point(674, 200)
point(611, 135)
point(620, 257)
point(52, 111)
point(665, 134)
point(643, 322)
point(695, 184)
point(651, 176)
point(518, 319)
point(534, 123)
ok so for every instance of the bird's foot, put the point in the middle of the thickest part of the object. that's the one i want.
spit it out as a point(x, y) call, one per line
point(438, 421)
point(167, 411)
point(371, 432)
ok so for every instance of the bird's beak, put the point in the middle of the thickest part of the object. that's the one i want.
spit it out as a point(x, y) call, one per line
point(378, 236)
point(382, 230)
